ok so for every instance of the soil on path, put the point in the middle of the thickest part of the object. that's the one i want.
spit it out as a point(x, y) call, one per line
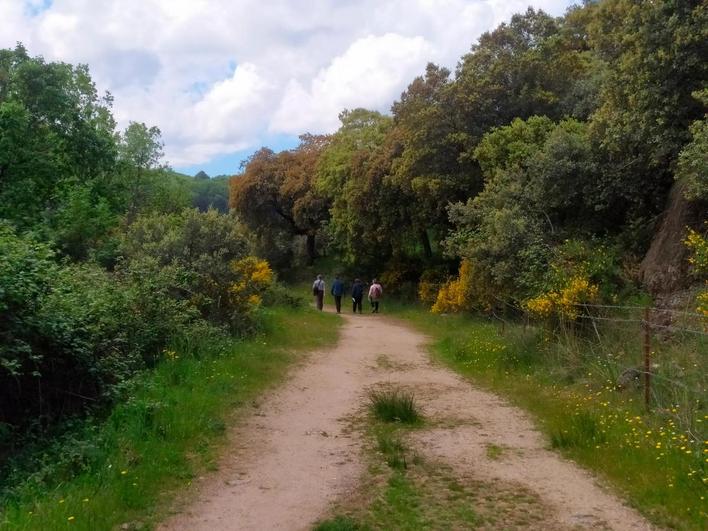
point(297, 455)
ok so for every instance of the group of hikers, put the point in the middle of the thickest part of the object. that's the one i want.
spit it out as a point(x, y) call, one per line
point(338, 290)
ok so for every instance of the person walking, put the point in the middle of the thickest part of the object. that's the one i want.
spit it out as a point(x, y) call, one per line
point(337, 291)
point(357, 294)
point(375, 293)
point(318, 290)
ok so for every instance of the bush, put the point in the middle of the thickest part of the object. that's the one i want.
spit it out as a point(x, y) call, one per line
point(217, 277)
point(469, 290)
point(280, 295)
point(71, 335)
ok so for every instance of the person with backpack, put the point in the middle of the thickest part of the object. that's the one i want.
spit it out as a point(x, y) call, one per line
point(375, 293)
point(337, 291)
point(357, 294)
point(318, 290)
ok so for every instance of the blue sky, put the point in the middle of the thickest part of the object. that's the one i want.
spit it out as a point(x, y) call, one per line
point(221, 78)
point(230, 163)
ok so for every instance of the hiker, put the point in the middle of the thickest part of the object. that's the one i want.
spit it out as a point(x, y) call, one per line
point(375, 292)
point(357, 294)
point(318, 289)
point(337, 291)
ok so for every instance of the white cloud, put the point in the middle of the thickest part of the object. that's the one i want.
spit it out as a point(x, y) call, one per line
point(220, 75)
point(367, 74)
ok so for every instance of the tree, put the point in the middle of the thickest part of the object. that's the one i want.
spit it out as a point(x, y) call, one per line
point(429, 170)
point(276, 198)
point(693, 160)
point(655, 56)
point(54, 131)
point(527, 67)
point(211, 193)
point(147, 183)
point(538, 191)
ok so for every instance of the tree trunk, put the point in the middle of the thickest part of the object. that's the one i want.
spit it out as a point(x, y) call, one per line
point(310, 249)
point(425, 241)
point(664, 269)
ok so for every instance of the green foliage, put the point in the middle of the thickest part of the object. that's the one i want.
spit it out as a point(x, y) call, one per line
point(167, 429)
point(71, 335)
point(539, 190)
point(277, 200)
point(655, 60)
point(210, 193)
point(82, 222)
point(693, 159)
point(53, 127)
point(26, 272)
point(200, 247)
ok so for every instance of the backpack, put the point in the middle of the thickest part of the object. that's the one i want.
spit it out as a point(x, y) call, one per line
point(377, 292)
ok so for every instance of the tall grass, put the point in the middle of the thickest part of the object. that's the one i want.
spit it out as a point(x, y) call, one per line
point(103, 474)
point(658, 458)
point(394, 405)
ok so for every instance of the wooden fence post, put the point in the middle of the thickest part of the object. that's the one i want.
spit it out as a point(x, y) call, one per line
point(647, 359)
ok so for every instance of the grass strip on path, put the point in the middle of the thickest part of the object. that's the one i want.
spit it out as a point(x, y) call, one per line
point(127, 468)
point(660, 469)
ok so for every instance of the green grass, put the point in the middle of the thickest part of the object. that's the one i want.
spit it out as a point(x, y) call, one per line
point(403, 492)
point(494, 452)
point(658, 460)
point(391, 447)
point(128, 467)
point(394, 405)
point(340, 523)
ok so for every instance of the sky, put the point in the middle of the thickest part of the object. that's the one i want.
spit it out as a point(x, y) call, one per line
point(221, 78)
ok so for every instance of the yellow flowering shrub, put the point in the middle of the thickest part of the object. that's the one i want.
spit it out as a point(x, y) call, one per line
point(429, 285)
point(565, 302)
point(702, 301)
point(391, 279)
point(698, 245)
point(254, 277)
point(428, 291)
point(450, 298)
point(699, 248)
point(469, 290)
point(454, 295)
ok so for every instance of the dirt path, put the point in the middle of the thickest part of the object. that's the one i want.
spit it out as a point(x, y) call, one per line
point(296, 455)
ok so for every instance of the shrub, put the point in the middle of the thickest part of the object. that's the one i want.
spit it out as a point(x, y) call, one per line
point(430, 282)
point(698, 245)
point(565, 302)
point(469, 290)
point(217, 277)
point(71, 335)
point(279, 294)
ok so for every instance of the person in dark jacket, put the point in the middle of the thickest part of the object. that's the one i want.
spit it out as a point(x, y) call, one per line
point(357, 294)
point(337, 290)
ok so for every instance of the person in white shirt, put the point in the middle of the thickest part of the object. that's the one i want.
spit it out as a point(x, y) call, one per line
point(375, 293)
point(318, 290)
